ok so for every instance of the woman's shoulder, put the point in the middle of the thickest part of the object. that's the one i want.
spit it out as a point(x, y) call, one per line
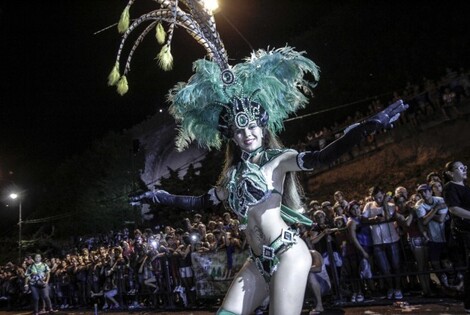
point(351, 221)
point(451, 189)
point(272, 154)
point(276, 152)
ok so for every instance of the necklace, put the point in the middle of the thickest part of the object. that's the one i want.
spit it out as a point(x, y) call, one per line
point(246, 156)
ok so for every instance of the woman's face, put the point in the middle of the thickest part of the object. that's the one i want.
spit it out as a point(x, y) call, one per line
point(338, 197)
point(379, 197)
point(437, 188)
point(250, 138)
point(415, 198)
point(459, 172)
point(339, 210)
point(320, 218)
point(355, 210)
point(339, 223)
point(202, 229)
point(400, 201)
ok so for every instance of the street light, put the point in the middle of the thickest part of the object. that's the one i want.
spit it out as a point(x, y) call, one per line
point(211, 5)
point(15, 196)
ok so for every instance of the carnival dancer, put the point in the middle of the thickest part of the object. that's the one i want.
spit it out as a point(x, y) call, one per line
point(245, 105)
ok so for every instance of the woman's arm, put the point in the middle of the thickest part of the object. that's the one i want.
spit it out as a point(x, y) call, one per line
point(351, 225)
point(460, 212)
point(440, 217)
point(317, 236)
point(428, 216)
point(353, 135)
point(141, 268)
point(209, 200)
point(27, 277)
point(47, 276)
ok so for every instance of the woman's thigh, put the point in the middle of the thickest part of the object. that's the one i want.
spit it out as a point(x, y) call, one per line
point(290, 280)
point(247, 291)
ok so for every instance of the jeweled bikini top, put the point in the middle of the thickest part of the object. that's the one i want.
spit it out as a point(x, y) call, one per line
point(247, 185)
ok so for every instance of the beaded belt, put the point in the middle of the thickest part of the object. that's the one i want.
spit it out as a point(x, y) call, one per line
point(269, 259)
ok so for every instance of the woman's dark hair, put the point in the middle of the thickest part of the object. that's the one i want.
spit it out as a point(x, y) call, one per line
point(292, 188)
point(374, 190)
point(448, 169)
point(433, 173)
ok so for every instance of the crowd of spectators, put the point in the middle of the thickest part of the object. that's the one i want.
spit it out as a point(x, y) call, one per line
point(392, 242)
point(149, 268)
point(429, 100)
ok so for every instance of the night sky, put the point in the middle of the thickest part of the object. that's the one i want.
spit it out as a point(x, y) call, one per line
point(53, 96)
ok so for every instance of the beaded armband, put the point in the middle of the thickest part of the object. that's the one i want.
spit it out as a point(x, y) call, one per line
point(301, 161)
point(213, 196)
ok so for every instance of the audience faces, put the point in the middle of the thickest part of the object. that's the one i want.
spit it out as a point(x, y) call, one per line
point(339, 198)
point(368, 232)
point(437, 188)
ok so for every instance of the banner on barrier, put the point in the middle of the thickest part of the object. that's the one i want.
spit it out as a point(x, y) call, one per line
point(212, 273)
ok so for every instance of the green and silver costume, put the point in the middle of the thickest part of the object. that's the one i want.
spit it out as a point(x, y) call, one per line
point(247, 186)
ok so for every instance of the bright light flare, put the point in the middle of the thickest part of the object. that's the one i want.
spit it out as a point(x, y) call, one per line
point(13, 196)
point(211, 5)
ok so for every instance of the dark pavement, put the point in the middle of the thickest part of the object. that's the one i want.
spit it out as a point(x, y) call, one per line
point(412, 305)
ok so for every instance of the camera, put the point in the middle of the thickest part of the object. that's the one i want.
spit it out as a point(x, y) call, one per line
point(194, 238)
point(186, 239)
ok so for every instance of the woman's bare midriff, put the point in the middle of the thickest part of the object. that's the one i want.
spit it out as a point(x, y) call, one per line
point(264, 224)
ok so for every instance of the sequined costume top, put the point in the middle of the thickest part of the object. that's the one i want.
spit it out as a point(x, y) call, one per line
point(247, 184)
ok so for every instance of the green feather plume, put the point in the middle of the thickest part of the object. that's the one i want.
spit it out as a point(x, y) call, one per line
point(165, 59)
point(122, 86)
point(123, 23)
point(160, 34)
point(278, 74)
point(114, 76)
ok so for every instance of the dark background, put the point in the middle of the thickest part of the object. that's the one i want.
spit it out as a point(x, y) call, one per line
point(54, 100)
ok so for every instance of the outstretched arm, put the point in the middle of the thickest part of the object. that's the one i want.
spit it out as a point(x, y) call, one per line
point(162, 197)
point(352, 136)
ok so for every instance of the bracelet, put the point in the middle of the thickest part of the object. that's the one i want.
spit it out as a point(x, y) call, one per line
point(301, 163)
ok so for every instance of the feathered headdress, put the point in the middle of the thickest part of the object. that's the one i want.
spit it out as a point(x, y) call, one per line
point(268, 86)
